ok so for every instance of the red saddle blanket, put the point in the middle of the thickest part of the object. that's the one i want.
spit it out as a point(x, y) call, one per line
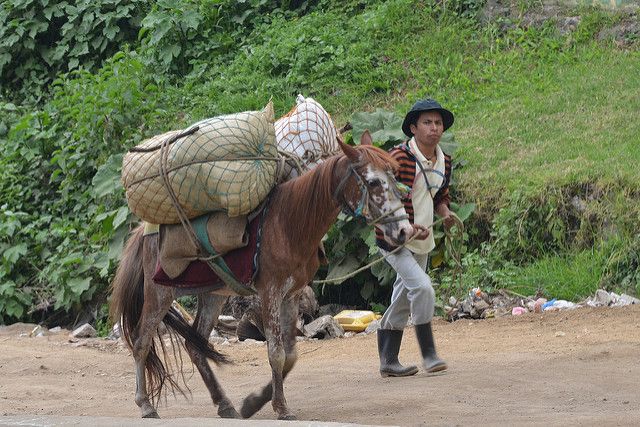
point(198, 274)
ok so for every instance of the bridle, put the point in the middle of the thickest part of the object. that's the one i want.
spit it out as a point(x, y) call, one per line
point(363, 209)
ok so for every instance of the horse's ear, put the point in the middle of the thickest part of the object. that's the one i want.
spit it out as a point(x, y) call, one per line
point(351, 153)
point(365, 138)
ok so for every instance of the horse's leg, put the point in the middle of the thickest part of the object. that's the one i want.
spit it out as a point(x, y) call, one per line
point(290, 319)
point(287, 324)
point(209, 308)
point(157, 302)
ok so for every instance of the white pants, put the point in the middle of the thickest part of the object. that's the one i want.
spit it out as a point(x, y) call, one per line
point(412, 290)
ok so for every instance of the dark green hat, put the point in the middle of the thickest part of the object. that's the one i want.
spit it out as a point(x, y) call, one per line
point(422, 106)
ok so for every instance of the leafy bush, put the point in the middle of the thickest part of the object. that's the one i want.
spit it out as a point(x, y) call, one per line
point(40, 39)
point(560, 243)
point(182, 36)
point(65, 213)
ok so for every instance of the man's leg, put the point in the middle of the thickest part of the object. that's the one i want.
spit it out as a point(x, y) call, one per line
point(395, 317)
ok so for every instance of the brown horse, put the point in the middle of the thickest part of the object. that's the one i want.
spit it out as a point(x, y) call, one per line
point(358, 181)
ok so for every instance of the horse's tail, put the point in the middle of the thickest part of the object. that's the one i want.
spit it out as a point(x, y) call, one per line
point(127, 300)
point(127, 288)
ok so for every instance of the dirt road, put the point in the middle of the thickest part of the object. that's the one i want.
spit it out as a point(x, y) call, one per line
point(579, 367)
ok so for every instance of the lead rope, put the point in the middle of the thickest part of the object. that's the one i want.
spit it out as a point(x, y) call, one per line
point(449, 237)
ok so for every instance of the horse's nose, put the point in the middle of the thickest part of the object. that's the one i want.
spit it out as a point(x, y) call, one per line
point(401, 237)
point(405, 233)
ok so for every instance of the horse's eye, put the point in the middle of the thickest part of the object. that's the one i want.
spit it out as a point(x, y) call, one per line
point(374, 183)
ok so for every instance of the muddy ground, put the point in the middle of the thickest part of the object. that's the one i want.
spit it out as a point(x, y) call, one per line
point(579, 367)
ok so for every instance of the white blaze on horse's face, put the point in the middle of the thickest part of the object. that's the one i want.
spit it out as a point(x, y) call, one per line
point(385, 205)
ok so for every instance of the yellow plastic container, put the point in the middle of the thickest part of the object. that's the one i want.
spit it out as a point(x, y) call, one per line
point(355, 320)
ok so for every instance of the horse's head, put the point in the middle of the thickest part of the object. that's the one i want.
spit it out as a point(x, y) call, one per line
point(369, 189)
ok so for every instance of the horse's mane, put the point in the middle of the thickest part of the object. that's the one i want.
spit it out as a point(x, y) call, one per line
point(377, 157)
point(310, 195)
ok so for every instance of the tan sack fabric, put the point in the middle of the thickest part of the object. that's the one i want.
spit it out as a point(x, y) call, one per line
point(229, 163)
point(176, 250)
point(308, 133)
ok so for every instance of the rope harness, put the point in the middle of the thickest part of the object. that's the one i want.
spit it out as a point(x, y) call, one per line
point(215, 263)
point(207, 254)
point(363, 209)
point(450, 234)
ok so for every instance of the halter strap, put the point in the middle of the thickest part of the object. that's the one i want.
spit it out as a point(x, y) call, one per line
point(363, 204)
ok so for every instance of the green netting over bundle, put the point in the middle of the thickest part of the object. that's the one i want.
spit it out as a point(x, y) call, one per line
point(223, 163)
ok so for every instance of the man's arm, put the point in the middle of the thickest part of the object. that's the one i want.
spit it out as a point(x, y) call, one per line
point(442, 199)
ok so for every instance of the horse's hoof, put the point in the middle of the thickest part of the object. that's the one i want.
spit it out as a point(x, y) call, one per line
point(228, 413)
point(247, 411)
point(249, 406)
point(288, 417)
point(152, 414)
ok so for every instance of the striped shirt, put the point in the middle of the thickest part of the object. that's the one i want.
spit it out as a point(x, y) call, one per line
point(406, 174)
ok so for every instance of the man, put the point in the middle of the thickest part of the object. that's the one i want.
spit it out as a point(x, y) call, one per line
point(426, 170)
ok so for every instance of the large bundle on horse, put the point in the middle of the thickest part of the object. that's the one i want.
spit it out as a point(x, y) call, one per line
point(223, 163)
point(306, 135)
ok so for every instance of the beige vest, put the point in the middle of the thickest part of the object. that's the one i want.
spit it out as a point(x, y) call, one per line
point(422, 197)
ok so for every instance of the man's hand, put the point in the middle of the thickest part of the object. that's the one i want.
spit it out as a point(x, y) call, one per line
point(420, 231)
point(449, 221)
point(444, 212)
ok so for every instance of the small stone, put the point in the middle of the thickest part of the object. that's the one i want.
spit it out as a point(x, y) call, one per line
point(481, 305)
point(627, 300)
point(603, 297)
point(115, 332)
point(324, 327)
point(84, 331)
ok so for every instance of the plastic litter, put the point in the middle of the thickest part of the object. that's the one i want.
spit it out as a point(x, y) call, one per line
point(481, 305)
point(517, 311)
point(475, 292)
point(603, 298)
point(355, 320)
point(537, 306)
point(558, 304)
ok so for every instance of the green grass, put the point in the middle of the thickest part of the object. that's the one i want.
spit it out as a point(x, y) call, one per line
point(570, 277)
point(532, 109)
point(561, 124)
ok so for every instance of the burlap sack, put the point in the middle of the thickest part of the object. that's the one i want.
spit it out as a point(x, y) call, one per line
point(176, 250)
point(308, 133)
point(229, 163)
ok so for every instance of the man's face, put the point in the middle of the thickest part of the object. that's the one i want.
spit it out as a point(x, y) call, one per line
point(428, 128)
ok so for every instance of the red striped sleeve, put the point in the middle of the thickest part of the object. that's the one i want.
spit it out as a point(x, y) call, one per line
point(442, 196)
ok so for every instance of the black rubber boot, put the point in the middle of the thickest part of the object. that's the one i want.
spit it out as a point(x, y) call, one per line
point(388, 348)
point(430, 360)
